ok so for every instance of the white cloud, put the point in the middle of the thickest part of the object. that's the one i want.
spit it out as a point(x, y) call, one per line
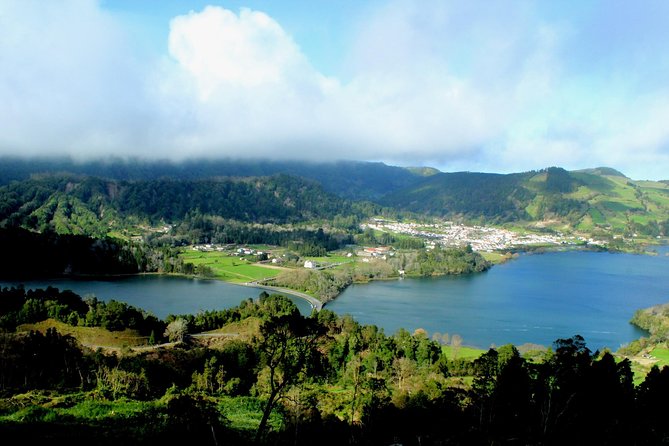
point(243, 84)
point(220, 48)
point(496, 86)
point(67, 79)
point(257, 92)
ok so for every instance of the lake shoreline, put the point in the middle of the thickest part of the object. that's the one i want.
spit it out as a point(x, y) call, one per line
point(316, 304)
point(537, 299)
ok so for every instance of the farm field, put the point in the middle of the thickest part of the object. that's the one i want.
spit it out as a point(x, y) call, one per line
point(229, 268)
point(330, 259)
point(662, 355)
point(495, 257)
point(468, 353)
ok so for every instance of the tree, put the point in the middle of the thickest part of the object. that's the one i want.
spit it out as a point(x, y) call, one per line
point(561, 382)
point(212, 378)
point(485, 377)
point(456, 343)
point(176, 330)
point(286, 344)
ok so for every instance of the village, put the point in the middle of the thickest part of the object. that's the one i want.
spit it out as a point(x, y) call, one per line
point(445, 234)
point(480, 238)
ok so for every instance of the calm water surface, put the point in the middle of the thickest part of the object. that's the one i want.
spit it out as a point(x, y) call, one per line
point(536, 298)
point(161, 295)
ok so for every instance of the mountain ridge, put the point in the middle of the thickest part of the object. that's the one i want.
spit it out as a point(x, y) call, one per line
point(596, 199)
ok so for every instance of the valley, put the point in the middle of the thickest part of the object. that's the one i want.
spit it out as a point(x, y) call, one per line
point(444, 263)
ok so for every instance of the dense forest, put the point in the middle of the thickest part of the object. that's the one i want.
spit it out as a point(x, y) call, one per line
point(492, 196)
point(348, 179)
point(591, 200)
point(41, 255)
point(81, 201)
point(98, 196)
point(20, 306)
point(324, 379)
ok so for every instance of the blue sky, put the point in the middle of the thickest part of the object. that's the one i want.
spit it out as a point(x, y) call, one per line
point(483, 85)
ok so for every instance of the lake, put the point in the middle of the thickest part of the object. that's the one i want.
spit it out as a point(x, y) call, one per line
point(536, 298)
point(161, 295)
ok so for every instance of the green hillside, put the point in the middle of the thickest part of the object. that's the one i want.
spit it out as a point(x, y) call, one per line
point(589, 200)
point(92, 206)
point(609, 171)
point(423, 171)
point(348, 179)
point(494, 197)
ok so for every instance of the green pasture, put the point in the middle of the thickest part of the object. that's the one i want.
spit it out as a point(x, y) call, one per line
point(662, 354)
point(330, 259)
point(227, 267)
point(533, 208)
point(597, 216)
point(495, 257)
point(468, 353)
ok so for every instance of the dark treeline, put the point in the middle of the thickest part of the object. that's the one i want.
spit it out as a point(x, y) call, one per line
point(62, 200)
point(325, 379)
point(265, 200)
point(494, 197)
point(440, 261)
point(21, 306)
point(29, 254)
point(71, 197)
point(349, 179)
point(267, 210)
point(198, 228)
point(41, 255)
point(209, 320)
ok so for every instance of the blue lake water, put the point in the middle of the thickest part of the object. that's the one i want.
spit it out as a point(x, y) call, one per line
point(535, 298)
point(161, 295)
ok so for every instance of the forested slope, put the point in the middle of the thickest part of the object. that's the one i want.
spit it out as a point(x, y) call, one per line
point(589, 200)
point(89, 205)
point(302, 381)
point(348, 179)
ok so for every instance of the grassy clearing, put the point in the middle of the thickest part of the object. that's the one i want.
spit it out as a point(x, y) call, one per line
point(329, 259)
point(244, 413)
point(495, 257)
point(229, 268)
point(643, 219)
point(248, 327)
point(639, 372)
point(662, 355)
point(90, 336)
point(533, 208)
point(462, 352)
point(597, 216)
point(101, 410)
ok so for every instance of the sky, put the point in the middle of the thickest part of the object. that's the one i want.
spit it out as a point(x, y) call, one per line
point(476, 85)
